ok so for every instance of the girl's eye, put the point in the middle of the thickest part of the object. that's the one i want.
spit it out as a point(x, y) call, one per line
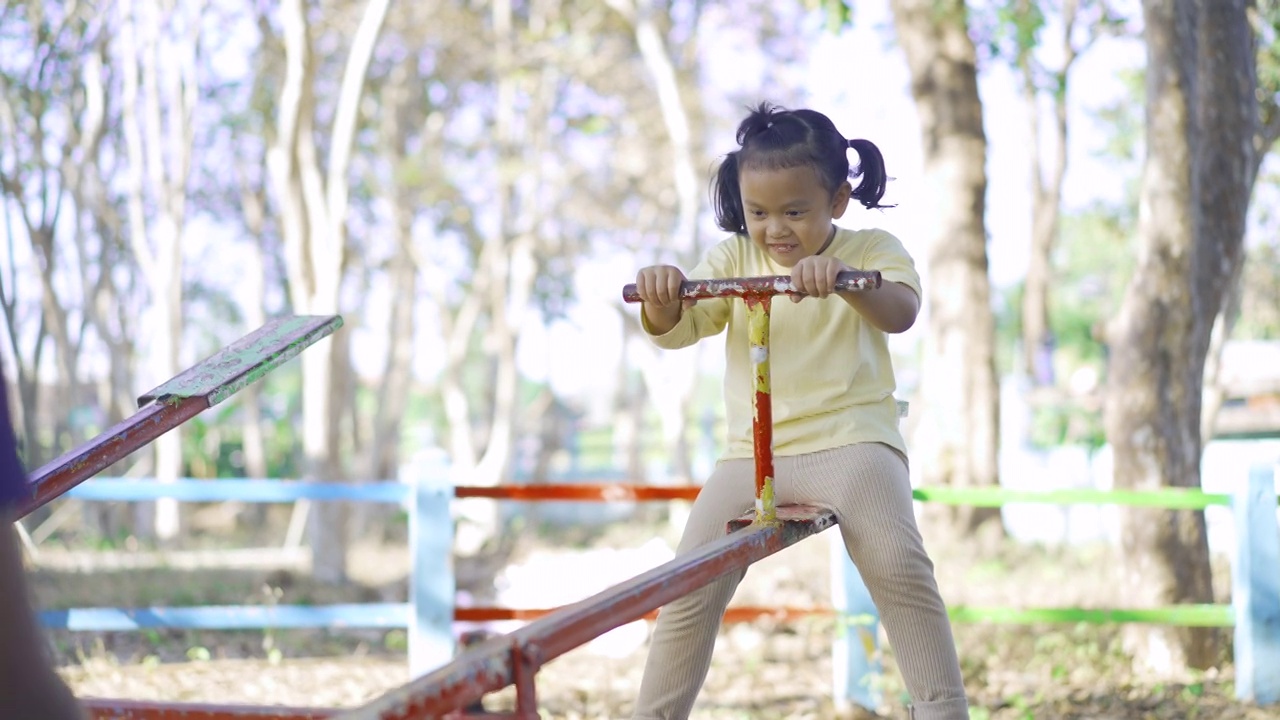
point(757, 213)
point(793, 213)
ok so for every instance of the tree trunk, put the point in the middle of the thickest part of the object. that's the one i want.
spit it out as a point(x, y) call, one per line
point(665, 77)
point(253, 440)
point(1046, 201)
point(1266, 134)
point(628, 407)
point(956, 440)
point(1201, 118)
point(397, 375)
point(313, 197)
point(1215, 392)
point(158, 105)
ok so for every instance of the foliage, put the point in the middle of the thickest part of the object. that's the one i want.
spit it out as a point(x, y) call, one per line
point(1267, 25)
point(214, 443)
point(1123, 128)
point(1012, 31)
point(837, 13)
point(1260, 296)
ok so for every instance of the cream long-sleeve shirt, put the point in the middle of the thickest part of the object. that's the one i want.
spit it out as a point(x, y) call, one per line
point(830, 372)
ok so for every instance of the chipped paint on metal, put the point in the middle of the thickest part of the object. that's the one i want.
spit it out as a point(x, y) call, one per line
point(247, 360)
point(502, 661)
point(188, 394)
point(762, 404)
point(114, 444)
point(847, 281)
point(767, 508)
point(526, 660)
point(489, 666)
point(101, 709)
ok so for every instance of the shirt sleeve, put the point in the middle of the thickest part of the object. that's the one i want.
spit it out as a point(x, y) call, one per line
point(13, 479)
point(706, 318)
point(885, 252)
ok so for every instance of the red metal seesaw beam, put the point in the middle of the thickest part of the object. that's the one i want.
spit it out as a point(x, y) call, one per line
point(732, 614)
point(607, 492)
point(512, 659)
point(196, 389)
point(100, 709)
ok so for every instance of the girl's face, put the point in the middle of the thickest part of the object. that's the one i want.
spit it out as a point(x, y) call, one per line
point(788, 211)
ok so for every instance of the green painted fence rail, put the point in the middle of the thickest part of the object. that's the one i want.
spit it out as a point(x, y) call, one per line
point(1178, 615)
point(1167, 498)
point(1163, 498)
point(1254, 612)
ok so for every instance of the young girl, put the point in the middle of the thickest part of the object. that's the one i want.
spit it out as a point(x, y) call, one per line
point(836, 437)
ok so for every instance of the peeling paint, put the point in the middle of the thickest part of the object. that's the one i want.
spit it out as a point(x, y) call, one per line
point(491, 665)
point(515, 658)
point(192, 391)
point(764, 286)
point(246, 360)
point(762, 404)
point(136, 710)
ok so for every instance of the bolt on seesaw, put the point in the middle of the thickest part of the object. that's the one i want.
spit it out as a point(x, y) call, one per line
point(758, 292)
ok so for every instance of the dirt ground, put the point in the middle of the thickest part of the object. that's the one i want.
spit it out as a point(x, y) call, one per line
point(760, 670)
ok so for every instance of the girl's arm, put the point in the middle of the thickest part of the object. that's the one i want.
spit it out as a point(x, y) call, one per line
point(659, 290)
point(891, 308)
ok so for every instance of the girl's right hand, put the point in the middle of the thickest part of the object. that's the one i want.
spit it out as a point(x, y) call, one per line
point(659, 289)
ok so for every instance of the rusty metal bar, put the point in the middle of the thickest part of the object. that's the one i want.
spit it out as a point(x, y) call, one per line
point(526, 658)
point(761, 406)
point(103, 709)
point(766, 285)
point(489, 665)
point(196, 389)
point(607, 492)
point(733, 614)
point(115, 443)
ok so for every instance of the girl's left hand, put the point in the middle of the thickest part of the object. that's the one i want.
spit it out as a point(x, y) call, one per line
point(816, 275)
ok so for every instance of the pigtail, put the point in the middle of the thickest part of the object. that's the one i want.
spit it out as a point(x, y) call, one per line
point(759, 119)
point(726, 196)
point(871, 170)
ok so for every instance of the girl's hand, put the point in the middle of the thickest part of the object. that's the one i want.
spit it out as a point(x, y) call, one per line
point(659, 289)
point(816, 275)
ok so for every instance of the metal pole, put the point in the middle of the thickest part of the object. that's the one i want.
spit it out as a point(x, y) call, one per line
point(762, 405)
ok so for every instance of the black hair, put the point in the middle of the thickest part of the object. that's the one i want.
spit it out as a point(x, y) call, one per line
point(774, 138)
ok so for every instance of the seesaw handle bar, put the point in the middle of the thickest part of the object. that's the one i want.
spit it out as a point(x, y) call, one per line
point(763, 286)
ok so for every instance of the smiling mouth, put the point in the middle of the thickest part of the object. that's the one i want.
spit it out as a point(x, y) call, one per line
point(783, 247)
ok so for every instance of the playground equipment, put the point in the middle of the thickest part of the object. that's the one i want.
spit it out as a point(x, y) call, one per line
point(181, 398)
point(514, 659)
point(758, 294)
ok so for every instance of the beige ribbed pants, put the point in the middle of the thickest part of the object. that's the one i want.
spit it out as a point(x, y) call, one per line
point(868, 487)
